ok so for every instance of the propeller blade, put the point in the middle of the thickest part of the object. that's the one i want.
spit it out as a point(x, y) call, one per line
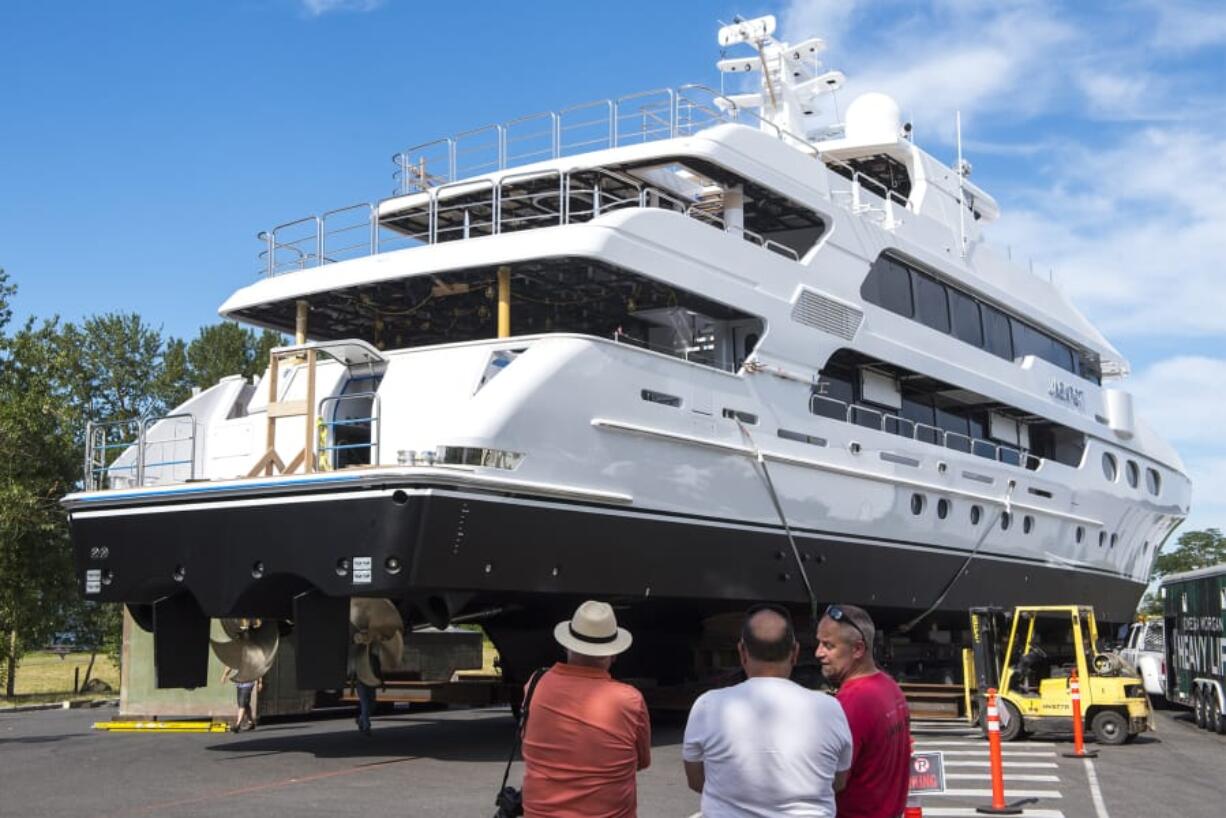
point(252, 652)
point(362, 669)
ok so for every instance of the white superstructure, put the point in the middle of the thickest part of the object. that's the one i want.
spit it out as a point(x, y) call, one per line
point(682, 316)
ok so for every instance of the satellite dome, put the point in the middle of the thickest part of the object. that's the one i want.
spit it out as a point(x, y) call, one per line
point(873, 119)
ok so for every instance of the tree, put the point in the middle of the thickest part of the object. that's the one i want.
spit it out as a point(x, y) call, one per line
point(38, 467)
point(224, 349)
point(1193, 549)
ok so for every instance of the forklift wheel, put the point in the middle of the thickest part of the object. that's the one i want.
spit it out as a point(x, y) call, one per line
point(1013, 731)
point(1109, 727)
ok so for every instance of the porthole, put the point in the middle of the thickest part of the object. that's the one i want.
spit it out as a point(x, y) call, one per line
point(1102, 538)
point(1027, 524)
point(1081, 533)
point(1111, 467)
point(1133, 471)
point(917, 504)
point(976, 513)
point(1113, 539)
point(1153, 481)
point(1005, 519)
point(942, 508)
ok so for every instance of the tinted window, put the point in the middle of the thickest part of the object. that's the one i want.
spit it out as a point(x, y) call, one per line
point(920, 412)
point(1062, 355)
point(997, 337)
point(931, 305)
point(958, 425)
point(1134, 473)
point(965, 314)
point(1153, 481)
point(888, 285)
point(831, 395)
point(1029, 341)
point(1110, 466)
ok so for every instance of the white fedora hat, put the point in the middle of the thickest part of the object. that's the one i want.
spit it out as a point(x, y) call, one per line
point(593, 631)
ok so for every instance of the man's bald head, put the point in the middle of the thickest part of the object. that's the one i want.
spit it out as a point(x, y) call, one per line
point(768, 635)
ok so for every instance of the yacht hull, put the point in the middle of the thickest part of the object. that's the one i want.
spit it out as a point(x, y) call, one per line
point(523, 561)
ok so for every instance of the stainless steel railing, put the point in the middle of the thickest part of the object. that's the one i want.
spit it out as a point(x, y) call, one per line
point(871, 418)
point(479, 207)
point(329, 451)
point(155, 460)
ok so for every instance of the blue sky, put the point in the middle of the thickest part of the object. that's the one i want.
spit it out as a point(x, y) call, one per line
point(144, 144)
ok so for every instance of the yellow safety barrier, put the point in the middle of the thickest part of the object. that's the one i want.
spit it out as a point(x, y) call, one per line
point(162, 726)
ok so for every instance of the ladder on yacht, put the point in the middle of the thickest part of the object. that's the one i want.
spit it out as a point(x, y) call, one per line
point(271, 463)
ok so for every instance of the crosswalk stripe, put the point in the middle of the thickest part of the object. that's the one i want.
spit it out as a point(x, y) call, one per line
point(970, 812)
point(1047, 779)
point(1047, 765)
point(1009, 793)
point(1008, 754)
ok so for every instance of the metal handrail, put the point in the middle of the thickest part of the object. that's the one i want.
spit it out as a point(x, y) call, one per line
point(1001, 453)
point(438, 201)
point(373, 420)
point(143, 465)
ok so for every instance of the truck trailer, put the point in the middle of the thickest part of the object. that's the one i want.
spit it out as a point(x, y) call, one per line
point(1195, 614)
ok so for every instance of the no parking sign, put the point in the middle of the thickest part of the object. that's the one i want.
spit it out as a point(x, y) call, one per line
point(927, 773)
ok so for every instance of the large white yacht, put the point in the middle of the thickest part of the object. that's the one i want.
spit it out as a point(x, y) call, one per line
point(680, 350)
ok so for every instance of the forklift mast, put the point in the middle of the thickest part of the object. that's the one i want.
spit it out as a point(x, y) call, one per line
point(987, 625)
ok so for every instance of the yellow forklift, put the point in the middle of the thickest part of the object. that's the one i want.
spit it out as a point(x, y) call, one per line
point(1046, 644)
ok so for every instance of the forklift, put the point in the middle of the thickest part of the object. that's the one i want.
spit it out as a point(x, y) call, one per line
point(1046, 644)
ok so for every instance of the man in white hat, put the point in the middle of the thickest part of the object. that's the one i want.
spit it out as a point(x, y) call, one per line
point(587, 735)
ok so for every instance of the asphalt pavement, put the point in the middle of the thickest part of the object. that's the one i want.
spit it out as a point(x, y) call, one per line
point(448, 763)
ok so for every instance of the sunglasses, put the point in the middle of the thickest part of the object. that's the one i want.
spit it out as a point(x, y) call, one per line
point(839, 615)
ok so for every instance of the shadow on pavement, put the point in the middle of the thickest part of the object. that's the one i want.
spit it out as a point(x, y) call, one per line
point(453, 736)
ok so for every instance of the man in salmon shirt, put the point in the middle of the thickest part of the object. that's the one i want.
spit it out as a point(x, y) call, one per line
point(586, 736)
point(876, 711)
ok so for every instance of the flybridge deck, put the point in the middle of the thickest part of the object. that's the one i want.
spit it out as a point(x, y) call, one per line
point(455, 199)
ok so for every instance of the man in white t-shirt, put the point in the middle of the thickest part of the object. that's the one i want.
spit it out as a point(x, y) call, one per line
point(767, 746)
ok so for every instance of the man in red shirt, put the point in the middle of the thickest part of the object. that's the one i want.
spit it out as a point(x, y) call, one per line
point(586, 736)
point(876, 712)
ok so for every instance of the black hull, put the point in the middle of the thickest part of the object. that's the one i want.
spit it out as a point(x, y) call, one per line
point(469, 551)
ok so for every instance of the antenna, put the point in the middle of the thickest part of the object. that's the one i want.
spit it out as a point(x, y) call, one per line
point(961, 185)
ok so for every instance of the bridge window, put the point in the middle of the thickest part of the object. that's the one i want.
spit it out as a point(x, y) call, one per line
point(901, 288)
point(931, 303)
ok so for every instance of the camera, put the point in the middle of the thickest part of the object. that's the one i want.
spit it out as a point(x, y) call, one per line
point(510, 803)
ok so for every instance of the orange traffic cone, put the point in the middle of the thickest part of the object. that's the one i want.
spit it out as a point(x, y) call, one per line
point(1079, 750)
point(999, 807)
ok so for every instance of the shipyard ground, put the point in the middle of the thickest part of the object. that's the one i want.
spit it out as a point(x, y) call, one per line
point(450, 762)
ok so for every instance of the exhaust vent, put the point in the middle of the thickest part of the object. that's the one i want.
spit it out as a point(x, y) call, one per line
point(822, 312)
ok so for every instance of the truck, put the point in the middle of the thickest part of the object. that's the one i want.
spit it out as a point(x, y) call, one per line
point(1145, 651)
point(1194, 607)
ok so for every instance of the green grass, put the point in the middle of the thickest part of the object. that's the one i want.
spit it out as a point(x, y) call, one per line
point(44, 677)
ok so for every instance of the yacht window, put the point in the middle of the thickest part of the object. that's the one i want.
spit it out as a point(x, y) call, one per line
point(1153, 481)
point(958, 430)
point(931, 303)
point(997, 337)
point(1111, 467)
point(967, 324)
point(1134, 473)
point(976, 513)
point(1081, 533)
point(942, 508)
point(661, 398)
point(888, 285)
point(919, 411)
point(1102, 538)
point(832, 394)
point(1005, 519)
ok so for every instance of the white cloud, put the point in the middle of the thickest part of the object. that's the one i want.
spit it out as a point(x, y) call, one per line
point(317, 8)
point(1133, 230)
point(1190, 26)
point(1180, 398)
